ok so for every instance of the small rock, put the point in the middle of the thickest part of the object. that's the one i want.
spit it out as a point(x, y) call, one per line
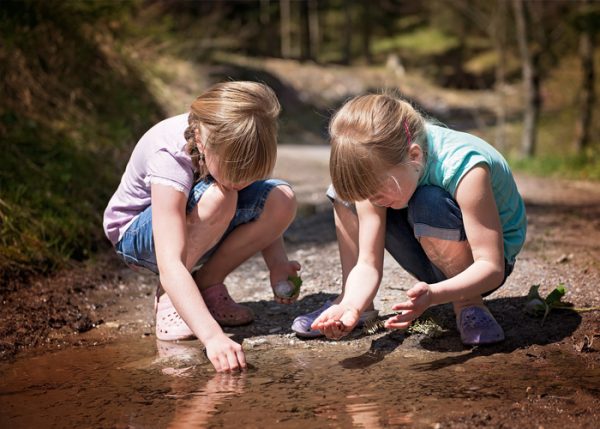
point(564, 258)
point(115, 325)
point(256, 342)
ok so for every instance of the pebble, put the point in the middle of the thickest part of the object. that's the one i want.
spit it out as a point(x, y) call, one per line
point(256, 342)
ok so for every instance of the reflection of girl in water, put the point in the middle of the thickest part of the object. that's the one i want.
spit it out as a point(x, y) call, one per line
point(195, 408)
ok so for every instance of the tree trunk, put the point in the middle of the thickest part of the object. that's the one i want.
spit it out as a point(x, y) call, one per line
point(584, 122)
point(313, 28)
point(285, 27)
point(265, 21)
point(305, 42)
point(530, 84)
point(348, 32)
point(366, 31)
point(499, 40)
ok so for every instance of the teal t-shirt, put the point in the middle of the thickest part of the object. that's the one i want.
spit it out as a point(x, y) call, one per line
point(451, 154)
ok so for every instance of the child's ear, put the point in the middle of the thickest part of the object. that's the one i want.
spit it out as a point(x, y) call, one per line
point(415, 153)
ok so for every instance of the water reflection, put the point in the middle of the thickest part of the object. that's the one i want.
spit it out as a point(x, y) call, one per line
point(365, 412)
point(194, 408)
point(144, 384)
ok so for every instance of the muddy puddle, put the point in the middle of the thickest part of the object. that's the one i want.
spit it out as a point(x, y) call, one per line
point(144, 384)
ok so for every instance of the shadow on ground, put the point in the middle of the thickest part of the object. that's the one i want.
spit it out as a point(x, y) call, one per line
point(521, 330)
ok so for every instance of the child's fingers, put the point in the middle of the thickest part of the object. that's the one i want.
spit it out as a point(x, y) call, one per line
point(406, 305)
point(286, 301)
point(321, 323)
point(318, 322)
point(241, 357)
point(327, 316)
point(392, 324)
point(216, 363)
point(334, 329)
point(295, 265)
point(406, 316)
point(417, 290)
point(233, 362)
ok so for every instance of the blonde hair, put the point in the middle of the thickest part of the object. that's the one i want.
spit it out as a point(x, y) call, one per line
point(241, 119)
point(370, 134)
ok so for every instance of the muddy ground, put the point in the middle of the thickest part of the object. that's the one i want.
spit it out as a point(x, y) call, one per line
point(102, 302)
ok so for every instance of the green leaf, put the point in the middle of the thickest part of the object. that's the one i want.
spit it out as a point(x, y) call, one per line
point(297, 282)
point(535, 305)
point(539, 307)
point(555, 296)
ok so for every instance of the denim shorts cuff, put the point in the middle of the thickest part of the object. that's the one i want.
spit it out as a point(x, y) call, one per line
point(332, 195)
point(269, 185)
point(424, 230)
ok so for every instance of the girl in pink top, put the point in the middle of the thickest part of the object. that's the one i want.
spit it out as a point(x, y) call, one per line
point(195, 202)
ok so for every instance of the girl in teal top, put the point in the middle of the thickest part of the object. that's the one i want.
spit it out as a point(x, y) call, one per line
point(442, 202)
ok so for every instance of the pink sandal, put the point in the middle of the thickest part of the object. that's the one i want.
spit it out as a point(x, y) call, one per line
point(169, 324)
point(224, 309)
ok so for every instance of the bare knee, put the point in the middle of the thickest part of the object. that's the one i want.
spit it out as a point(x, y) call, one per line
point(216, 207)
point(281, 204)
point(451, 257)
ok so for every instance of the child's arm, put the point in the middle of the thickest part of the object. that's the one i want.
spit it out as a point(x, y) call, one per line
point(169, 229)
point(364, 278)
point(482, 225)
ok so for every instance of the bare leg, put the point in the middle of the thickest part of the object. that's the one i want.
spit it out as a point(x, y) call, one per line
point(263, 234)
point(346, 229)
point(207, 223)
point(452, 258)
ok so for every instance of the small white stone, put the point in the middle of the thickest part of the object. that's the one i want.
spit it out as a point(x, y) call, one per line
point(284, 289)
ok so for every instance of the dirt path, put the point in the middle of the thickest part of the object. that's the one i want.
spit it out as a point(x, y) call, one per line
point(103, 302)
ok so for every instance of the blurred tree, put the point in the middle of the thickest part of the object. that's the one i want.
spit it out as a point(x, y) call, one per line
point(489, 19)
point(313, 27)
point(285, 28)
point(531, 85)
point(348, 30)
point(267, 41)
point(586, 22)
point(309, 34)
point(366, 33)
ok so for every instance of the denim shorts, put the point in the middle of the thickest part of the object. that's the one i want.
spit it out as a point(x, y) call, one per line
point(431, 212)
point(136, 247)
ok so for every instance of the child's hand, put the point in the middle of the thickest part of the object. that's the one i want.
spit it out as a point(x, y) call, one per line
point(225, 354)
point(419, 301)
point(284, 289)
point(336, 321)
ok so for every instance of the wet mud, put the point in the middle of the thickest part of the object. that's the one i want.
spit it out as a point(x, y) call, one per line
point(150, 384)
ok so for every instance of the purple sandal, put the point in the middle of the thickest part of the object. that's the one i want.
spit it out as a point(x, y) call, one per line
point(477, 326)
point(302, 323)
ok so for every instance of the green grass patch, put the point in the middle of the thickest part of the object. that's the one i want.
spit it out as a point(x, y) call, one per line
point(72, 109)
point(426, 41)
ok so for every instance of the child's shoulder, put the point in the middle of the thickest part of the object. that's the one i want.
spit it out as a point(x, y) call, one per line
point(174, 124)
point(440, 133)
point(166, 133)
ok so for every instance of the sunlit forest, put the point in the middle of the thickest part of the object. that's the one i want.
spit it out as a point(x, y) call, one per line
point(83, 80)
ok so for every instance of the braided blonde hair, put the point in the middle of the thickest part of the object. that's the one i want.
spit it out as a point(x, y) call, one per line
point(241, 119)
